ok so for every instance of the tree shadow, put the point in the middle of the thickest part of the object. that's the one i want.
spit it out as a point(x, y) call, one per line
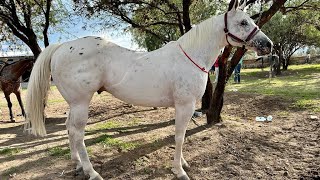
point(129, 156)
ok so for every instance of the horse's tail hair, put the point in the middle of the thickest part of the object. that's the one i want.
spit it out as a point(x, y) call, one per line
point(38, 87)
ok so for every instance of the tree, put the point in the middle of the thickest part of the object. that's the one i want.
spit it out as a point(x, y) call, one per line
point(199, 10)
point(293, 31)
point(215, 104)
point(152, 23)
point(28, 21)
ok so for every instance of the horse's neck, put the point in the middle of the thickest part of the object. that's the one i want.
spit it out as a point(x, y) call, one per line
point(204, 42)
point(14, 71)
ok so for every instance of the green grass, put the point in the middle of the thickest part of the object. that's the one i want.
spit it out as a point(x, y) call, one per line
point(300, 82)
point(108, 141)
point(104, 126)
point(10, 171)
point(9, 151)
point(112, 124)
point(60, 152)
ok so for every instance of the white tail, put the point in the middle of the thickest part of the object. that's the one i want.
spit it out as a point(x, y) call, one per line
point(38, 86)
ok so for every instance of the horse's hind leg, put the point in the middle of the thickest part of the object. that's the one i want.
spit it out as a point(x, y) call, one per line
point(7, 95)
point(18, 94)
point(74, 153)
point(76, 122)
point(183, 115)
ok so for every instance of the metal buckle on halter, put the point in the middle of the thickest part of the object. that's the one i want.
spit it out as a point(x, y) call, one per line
point(226, 31)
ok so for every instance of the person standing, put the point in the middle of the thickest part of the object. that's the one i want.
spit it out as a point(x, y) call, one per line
point(237, 71)
point(308, 58)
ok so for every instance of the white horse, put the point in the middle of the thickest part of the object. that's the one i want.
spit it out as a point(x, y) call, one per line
point(172, 76)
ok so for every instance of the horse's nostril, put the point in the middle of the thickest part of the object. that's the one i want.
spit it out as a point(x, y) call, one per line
point(269, 45)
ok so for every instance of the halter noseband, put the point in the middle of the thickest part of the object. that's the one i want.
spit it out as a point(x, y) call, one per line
point(250, 36)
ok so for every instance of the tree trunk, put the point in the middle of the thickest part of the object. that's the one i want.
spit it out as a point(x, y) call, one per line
point(207, 97)
point(186, 15)
point(278, 67)
point(214, 112)
point(285, 67)
point(216, 99)
point(34, 46)
point(216, 104)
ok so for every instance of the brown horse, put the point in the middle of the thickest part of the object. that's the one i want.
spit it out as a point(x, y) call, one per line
point(10, 74)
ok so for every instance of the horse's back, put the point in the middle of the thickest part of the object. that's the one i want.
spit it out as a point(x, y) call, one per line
point(79, 66)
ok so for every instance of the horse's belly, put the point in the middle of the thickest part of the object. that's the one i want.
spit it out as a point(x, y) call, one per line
point(145, 100)
point(144, 93)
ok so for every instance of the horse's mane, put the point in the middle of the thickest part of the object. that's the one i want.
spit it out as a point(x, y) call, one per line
point(199, 34)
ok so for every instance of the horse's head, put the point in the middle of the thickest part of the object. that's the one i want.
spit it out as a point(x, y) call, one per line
point(241, 30)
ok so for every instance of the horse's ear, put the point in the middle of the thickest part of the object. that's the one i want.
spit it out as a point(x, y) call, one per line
point(233, 5)
point(243, 5)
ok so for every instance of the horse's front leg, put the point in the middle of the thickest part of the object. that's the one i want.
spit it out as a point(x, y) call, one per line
point(183, 115)
point(18, 94)
point(7, 95)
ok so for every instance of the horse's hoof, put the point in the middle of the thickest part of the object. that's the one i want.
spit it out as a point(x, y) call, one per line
point(98, 177)
point(184, 177)
point(79, 172)
point(12, 120)
point(186, 166)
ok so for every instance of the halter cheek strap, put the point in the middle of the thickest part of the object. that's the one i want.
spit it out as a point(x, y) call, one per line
point(235, 38)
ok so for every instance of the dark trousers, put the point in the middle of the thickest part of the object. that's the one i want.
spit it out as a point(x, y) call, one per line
point(237, 73)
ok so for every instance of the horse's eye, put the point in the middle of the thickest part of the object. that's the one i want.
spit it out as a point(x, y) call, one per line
point(244, 23)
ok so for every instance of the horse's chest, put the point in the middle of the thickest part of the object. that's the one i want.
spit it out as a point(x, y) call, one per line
point(190, 87)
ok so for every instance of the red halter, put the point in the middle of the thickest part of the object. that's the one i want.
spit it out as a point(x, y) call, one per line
point(201, 68)
point(250, 36)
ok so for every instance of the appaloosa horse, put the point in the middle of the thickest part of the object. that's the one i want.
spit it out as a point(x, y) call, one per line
point(10, 75)
point(172, 76)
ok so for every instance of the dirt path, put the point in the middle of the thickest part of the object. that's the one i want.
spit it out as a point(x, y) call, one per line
point(143, 144)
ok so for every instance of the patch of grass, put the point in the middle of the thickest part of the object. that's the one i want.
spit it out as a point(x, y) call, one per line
point(53, 101)
point(60, 152)
point(108, 141)
point(134, 122)
point(9, 151)
point(300, 83)
point(308, 104)
point(283, 113)
point(10, 171)
point(104, 126)
point(114, 124)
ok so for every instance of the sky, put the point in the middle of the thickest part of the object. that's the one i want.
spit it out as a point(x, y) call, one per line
point(76, 31)
point(122, 39)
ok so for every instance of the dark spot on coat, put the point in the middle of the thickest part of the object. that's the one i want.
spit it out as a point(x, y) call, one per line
point(82, 48)
point(98, 38)
point(98, 44)
point(71, 47)
point(88, 82)
point(80, 53)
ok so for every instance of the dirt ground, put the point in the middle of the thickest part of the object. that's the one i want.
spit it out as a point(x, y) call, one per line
point(240, 148)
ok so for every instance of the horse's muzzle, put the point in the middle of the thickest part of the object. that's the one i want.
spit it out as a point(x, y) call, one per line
point(264, 47)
